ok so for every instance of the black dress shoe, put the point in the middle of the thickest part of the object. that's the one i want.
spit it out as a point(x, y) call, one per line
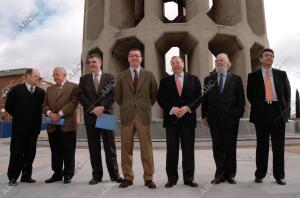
point(170, 184)
point(94, 181)
point(191, 184)
point(53, 179)
point(217, 180)
point(67, 180)
point(125, 183)
point(28, 180)
point(118, 179)
point(281, 181)
point(12, 182)
point(258, 180)
point(231, 180)
point(150, 184)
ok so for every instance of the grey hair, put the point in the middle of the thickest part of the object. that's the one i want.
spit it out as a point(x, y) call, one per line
point(61, 69)
point(225, 56)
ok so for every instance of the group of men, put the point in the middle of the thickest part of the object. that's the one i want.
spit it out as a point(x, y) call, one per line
point(135, 90)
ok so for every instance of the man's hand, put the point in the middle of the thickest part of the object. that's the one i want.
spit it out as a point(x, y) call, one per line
point(54, 117)
point(175, 111)
point(182, 111)
point(205, 123)
point(97, 111)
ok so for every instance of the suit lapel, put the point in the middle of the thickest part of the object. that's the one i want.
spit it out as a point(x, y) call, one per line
point(102, 82)
point(215, 88)
point(276, 81)
point(185, 84)
point(261, 81)
point(129, 80)
point(227, 83)
point(173, 87)
point(141, 79)
point(90, 82)
point(60, 91)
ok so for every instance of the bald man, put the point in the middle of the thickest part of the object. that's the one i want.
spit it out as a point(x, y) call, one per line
point(179, 95)
point(61, 103)
point(24, 104)
point(222, 107)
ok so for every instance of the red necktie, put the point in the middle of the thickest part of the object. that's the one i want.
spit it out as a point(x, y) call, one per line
point(135, 79)
point(178, 85)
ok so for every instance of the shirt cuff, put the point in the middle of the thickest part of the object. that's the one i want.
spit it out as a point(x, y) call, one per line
point(48, 113)
point(171, 112)
point(61, 114)
point(189, 110)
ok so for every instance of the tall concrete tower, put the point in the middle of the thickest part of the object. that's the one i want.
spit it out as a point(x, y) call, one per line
point(201, 30)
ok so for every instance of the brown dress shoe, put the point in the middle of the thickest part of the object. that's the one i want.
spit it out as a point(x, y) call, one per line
point(150, 184)
point(125, 183)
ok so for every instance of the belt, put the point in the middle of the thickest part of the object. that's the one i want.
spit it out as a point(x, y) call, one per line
point(271, 102)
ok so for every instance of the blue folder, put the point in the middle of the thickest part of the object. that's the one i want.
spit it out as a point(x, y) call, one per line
point(60, 121)
point(106, 121)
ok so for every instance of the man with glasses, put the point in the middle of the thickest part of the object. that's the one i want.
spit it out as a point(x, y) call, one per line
point(136, 93)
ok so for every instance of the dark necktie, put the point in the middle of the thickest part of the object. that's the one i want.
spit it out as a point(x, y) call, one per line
point(31, 89)
point(221, 83)
point(135, 79)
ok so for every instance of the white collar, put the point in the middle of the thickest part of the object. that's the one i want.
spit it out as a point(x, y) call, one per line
point(99, 74)
point(137, 69)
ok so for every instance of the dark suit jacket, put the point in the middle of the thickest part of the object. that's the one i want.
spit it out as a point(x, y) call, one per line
point(139, 103)
point(228, 106)
point(89, 98)
point(256, 95)
point(25, 108)
point(168, 97)
point(66, 101)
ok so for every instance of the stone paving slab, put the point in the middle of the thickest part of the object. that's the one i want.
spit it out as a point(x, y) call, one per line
point(204, 173)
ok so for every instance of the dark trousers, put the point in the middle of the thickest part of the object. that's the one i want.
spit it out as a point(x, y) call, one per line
point(224, 141)
point(187, 137)
point(63, 146)
point(275, 127)
point(22, 154)
point(93, 135)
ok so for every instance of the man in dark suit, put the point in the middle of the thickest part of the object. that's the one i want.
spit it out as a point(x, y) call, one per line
point(96, 94)
point(136, 90)
point(269, 94)
point(179, 95)
point(24, 104)
point(222, 107)
point(61, 103)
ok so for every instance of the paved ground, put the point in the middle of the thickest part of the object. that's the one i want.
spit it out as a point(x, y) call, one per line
point(204, 173)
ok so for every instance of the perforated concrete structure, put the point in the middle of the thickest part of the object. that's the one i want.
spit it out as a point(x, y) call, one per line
point(236, 27)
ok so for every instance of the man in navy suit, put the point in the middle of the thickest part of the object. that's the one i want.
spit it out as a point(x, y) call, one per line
point(269, 94)
point(179, 95)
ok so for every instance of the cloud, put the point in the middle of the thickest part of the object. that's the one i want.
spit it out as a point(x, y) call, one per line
point(52, 38)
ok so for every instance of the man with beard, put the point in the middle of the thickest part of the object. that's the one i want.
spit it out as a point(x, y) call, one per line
point(222, 107)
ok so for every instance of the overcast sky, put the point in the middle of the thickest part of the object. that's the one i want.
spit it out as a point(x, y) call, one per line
point(49, 33)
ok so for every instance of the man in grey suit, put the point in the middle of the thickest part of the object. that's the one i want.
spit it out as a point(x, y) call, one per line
point(136, 91)
point(96, 94)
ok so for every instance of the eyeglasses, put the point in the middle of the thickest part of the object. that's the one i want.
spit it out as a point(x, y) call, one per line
point(134, 56)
